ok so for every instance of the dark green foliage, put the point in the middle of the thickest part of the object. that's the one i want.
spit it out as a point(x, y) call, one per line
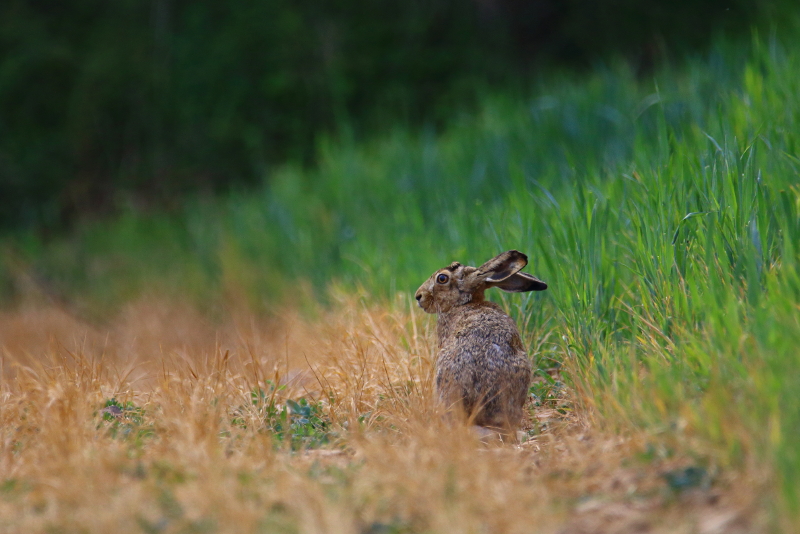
point(687, 478)
point(102, 103)
point(298, 424)
point(173, 517)
point(125, 421)
point(394, 527)
point(11, 488)
point(546, 390)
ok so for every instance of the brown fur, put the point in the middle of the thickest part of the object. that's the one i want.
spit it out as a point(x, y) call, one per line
point(482, 365)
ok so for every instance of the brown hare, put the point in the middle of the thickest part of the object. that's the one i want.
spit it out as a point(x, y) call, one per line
point(482, 366)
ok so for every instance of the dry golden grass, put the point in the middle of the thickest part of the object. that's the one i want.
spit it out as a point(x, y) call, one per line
point(394, 466)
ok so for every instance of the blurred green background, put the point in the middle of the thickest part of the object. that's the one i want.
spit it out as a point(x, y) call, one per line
point(132, 103)
point(212, 151)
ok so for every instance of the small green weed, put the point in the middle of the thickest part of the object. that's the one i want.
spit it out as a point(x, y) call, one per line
point(173, 518)
point(300, 424)
point(546, 394)
point(546, 390)
point(125, 421)
point(687, 478)
point(12, 488)
point(379, 527)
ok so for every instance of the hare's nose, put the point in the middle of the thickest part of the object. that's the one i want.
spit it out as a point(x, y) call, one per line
point(418, 296)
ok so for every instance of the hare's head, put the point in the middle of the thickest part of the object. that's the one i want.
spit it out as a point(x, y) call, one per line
point(457, 284)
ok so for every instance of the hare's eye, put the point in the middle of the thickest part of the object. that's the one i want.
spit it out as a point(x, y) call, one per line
point(442, 278)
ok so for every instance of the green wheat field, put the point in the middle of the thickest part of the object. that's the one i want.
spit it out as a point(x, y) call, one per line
point(256, 362)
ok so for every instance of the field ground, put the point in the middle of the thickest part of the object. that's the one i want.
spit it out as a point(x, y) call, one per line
point(186, 447)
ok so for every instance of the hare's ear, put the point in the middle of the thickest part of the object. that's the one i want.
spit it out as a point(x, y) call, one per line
point(502, 266)
point(520, 283)
point(503, 271)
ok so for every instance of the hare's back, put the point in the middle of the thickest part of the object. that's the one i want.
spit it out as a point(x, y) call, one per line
point(482, 321)
point(483, 344)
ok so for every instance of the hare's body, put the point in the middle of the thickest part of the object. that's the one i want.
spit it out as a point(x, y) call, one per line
point(482, 367)
point(490, 380)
